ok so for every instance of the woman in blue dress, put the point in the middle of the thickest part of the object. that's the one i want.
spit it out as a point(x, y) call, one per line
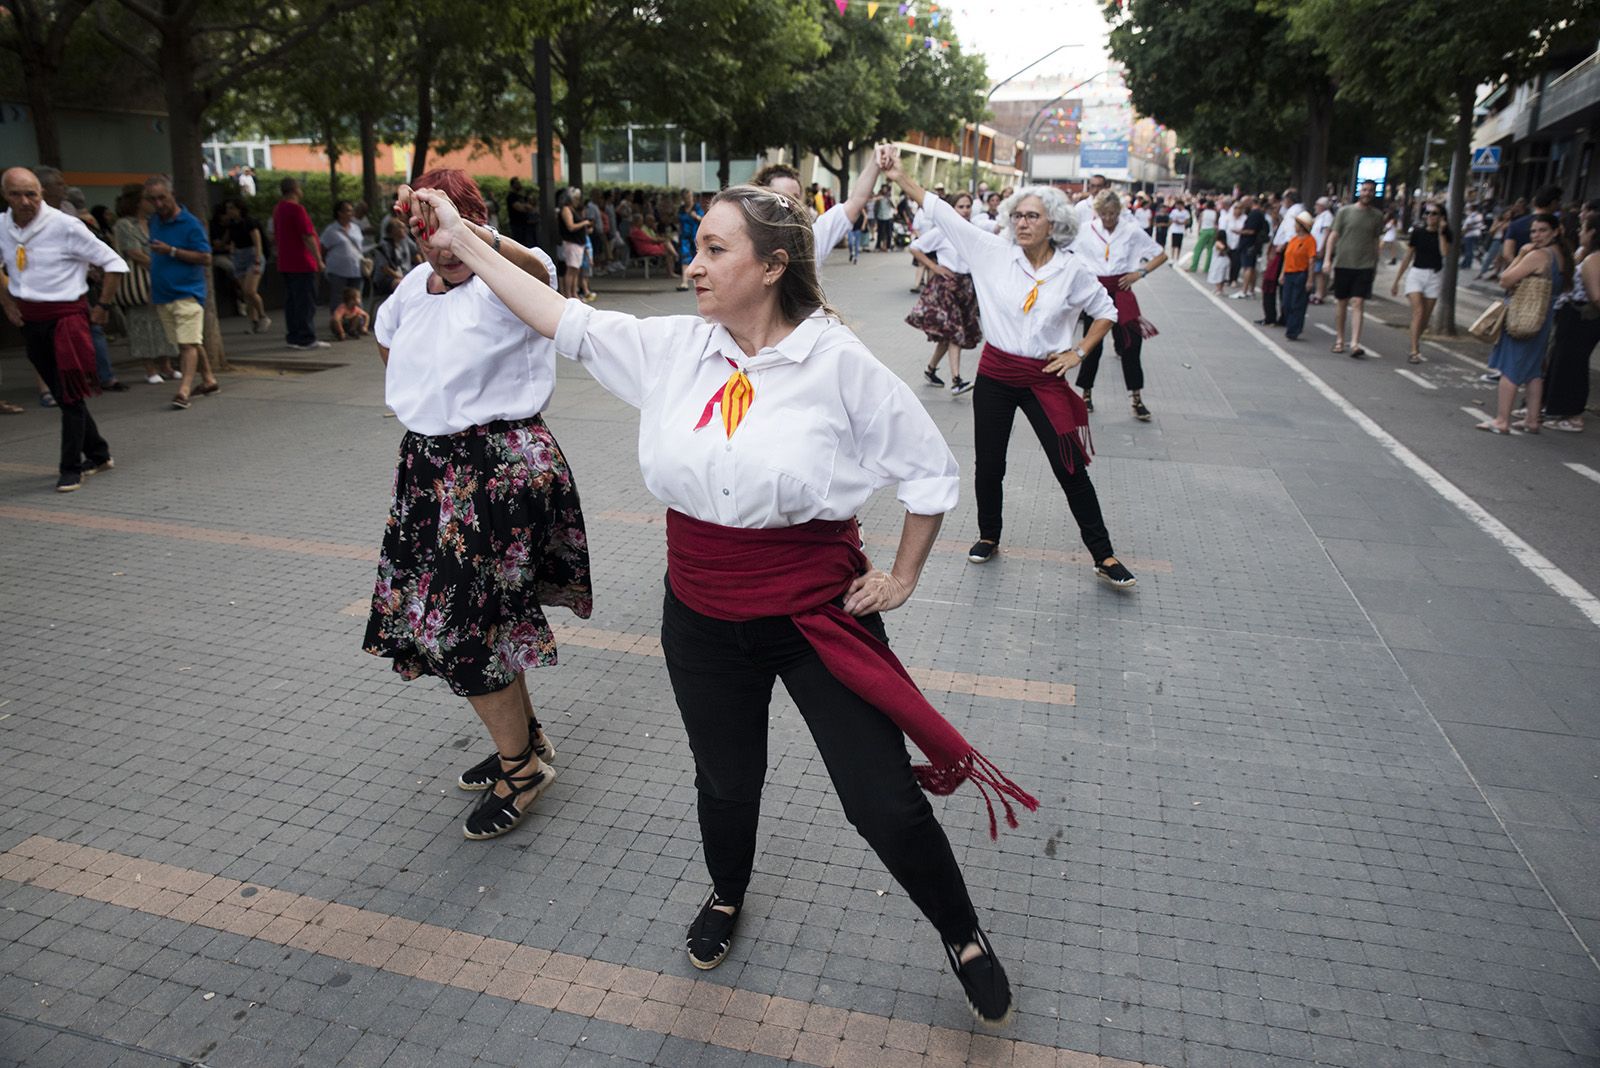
point(1520, 361)
point(689, 215)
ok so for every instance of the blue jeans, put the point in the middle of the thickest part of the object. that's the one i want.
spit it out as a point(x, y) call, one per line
point(300, 307)
point(102, 355)
point(1469, 248)
point(855, 242)
point(1292, 290)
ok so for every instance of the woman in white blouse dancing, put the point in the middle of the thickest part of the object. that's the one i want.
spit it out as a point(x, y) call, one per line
point(1031, 289)
point(1120, 254)
point(947, 310)
point(765, 425)
point(485, 528)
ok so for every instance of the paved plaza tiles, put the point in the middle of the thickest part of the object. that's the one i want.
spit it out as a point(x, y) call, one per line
point(1267, 835)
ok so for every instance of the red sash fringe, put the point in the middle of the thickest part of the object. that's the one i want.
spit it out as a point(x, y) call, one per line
point(735, 574)
point(1129, 317)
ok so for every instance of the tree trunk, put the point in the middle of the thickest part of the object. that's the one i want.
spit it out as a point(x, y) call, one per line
point(544, 144)
point(369, 163)
point(842, 172)
point(330, 144)
point(1319, 129)
point(185, 110)
point(724, 160)
point(572, 135)
point(1460, 162)
point(38, 80)
point(419, 146)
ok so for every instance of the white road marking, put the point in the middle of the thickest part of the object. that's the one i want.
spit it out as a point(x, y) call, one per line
point(1463, 357)
point(1547, 572)
point(1326, 329)
point(1478, 413)
point(1418, 379)
point(1586, 471)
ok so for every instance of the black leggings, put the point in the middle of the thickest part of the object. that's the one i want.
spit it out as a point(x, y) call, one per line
point(994, 409)
point(1130, 352)
point(722, 675)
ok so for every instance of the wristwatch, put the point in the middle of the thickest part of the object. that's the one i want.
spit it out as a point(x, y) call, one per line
point(102, 304)
point(496, 233)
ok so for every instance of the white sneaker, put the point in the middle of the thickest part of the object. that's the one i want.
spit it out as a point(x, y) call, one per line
point(154, 380)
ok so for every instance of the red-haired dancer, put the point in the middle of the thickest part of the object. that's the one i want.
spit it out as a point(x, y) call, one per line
point(485, 530)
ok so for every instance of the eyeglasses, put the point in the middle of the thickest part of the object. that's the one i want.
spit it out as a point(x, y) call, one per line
point(1026, 216)
point(1430, 212)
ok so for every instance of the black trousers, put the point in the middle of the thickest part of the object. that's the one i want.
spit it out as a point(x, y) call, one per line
point(722, 675)
point(1129, 350)
point(994, 410)
point(299, 307)
point(80, 438)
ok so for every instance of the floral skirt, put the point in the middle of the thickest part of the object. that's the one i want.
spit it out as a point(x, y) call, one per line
point(947, 310)
point(484, 533)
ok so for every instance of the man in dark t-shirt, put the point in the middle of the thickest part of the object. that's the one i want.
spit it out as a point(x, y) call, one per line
point(1250, 237)
point(1520, 232)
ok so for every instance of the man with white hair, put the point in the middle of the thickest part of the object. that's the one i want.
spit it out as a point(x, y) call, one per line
point(47, 254)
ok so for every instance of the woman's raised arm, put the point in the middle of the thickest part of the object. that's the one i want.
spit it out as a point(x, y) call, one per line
point(529, 299)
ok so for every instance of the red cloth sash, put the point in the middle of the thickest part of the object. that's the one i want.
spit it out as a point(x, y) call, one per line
point(75, 369)
point(735, 574)
point(1068, 415)
point(1128, 316)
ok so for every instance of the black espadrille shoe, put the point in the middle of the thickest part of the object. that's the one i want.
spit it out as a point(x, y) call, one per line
point(984, 981)
point(711, 933)
point(486, 772)
point(496, 814)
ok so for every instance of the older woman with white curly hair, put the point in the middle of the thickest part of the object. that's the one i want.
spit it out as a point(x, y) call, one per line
point(1031, 290)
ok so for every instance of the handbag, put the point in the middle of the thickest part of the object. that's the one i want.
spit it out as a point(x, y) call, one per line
point(1529, 306)
point(134, 292)
point(366, 266)
point(1486, 327)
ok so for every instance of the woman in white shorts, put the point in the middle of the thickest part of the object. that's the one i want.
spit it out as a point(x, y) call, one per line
point(1422, 271)
point(574, 229)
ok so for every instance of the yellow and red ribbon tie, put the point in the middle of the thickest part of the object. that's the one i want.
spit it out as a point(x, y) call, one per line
point(1028, 301)
point(735, 397)
point(22, 257)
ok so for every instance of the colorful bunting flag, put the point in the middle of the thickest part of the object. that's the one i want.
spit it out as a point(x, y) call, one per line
point(872, 10)
point(841, 5)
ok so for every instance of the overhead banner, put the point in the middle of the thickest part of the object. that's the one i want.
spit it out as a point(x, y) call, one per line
point(1104, 155)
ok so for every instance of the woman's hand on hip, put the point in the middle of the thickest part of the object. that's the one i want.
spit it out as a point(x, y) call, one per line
point(876, 591)
point(1062, 362)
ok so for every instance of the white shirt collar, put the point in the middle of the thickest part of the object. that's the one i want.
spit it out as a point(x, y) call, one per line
point(45, 211)
point(795, 346)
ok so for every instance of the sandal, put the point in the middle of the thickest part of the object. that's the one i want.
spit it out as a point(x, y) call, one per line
point(497, 815)
point(1417, 357)
point(1526, 428)
point(1338, 347)
point(1357, 352)
point(984, 982)
point(7, 408)
point(206, 391)
point(486, 772)
point(711, 933)
point(181, 401)
point(1491, 428)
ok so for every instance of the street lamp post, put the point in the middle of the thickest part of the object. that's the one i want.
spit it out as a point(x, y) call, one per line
point(961, 148)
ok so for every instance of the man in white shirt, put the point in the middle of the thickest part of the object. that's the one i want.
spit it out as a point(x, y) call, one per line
point(47, 254)
point(1319, 233)
point(1280, 239)
point(1085, 207)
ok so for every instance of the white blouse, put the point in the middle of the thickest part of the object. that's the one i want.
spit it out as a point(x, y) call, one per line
point(933, 240)
point(827, 427)
point(1116, 251)
point(828, 230)
point(1003, 278)
point(460, 359)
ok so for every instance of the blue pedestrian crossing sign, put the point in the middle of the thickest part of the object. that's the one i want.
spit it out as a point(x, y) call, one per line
point(1486, 160)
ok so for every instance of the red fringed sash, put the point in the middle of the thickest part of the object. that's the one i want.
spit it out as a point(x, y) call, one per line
point(74, 345)
point(735, 574)
point(1068, 415)
point(1128, 316)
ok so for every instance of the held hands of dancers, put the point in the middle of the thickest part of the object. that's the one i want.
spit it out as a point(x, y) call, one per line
point(876, 591)
point(431, 216)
